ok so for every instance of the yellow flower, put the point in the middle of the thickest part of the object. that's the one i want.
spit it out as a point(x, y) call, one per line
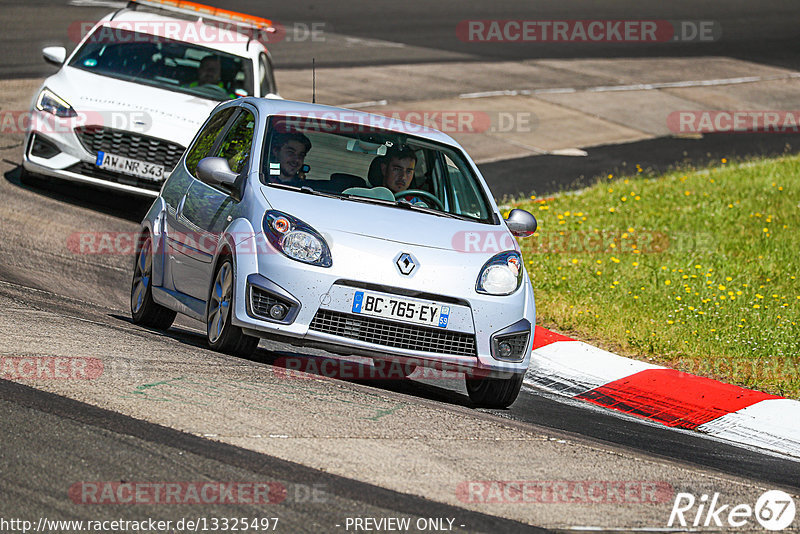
point(667, 282)
point(721, 287)
point(615, 260)
point(636, 264)
point(611, 210)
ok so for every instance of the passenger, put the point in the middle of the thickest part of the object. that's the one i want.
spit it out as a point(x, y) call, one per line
point(398, 168)
point(289, 152)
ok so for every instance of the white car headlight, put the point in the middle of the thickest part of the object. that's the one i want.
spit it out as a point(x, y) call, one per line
point(296, 239)
point(302, 246)
point(52, 103)
point(501, 275)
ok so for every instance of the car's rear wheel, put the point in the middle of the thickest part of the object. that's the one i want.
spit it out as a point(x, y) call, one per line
point(222, 335)
point(491, 392)
point(144, 310)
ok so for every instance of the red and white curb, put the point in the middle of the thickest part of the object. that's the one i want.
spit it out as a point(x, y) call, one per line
point(566, 367)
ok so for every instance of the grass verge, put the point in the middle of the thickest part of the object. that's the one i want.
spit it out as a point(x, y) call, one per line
point(695, 270)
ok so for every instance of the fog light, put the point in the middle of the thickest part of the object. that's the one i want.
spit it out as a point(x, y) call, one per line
point(504, 349)
point(278, 311)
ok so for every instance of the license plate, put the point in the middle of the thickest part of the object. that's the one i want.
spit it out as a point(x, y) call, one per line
point(411, 311)
point(132, 167)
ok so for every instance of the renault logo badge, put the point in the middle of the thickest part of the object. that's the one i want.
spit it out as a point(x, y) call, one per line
point(406, 263)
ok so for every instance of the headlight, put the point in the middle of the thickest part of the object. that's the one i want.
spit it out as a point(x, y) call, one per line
point(296, 239)
point(52, 103)
point(501, 275)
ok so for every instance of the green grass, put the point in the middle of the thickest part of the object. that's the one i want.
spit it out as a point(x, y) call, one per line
point(695, 270)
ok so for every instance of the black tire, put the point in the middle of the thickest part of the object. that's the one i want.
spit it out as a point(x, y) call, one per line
point(221, 334)
point(494, 392)
point(144, 310)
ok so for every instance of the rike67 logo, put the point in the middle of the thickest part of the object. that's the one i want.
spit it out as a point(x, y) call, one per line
point(774, 510)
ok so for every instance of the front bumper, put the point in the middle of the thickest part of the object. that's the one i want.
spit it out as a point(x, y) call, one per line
point(320, 314)
point(70, 155)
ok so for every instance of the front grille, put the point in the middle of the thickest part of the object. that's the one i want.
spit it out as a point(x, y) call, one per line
point(130, 145)
point(261, 302)
point(394, 335)
point(88, 169)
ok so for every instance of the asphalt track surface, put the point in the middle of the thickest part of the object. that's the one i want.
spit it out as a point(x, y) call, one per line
point(61, 439)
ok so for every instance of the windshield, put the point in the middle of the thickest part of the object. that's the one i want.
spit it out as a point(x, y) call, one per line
point(165, 63)
point(370, 164)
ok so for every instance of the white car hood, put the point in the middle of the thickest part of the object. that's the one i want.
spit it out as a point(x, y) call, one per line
point(392, 224)
point(131, 106)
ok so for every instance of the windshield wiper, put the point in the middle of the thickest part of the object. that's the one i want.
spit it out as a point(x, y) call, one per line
point(405, 204)
point(304, 189)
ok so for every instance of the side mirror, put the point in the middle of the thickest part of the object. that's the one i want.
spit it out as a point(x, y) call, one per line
point(521, 223)
point(216, 171)
point(55, 55)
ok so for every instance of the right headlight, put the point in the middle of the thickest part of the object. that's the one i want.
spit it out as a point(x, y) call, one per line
point(52, 103)
point(296, 239)
point(501, 275)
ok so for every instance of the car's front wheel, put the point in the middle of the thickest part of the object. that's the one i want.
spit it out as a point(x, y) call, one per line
point(222, 335)
point(490, 392)
point(144, 310)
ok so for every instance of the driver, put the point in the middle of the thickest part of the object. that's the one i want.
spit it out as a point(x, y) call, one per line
point(288, 154)
point(210, 73)
point(398, 168)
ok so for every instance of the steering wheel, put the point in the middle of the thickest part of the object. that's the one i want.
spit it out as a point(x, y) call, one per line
point(421, 193)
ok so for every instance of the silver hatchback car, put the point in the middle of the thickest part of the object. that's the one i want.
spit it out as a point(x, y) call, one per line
point(341, 230)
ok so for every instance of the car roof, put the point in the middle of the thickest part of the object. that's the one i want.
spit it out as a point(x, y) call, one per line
point(269, 106)
point(146, 18)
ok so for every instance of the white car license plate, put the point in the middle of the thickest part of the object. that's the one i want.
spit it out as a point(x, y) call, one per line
point(427, 313)
point(132, 167)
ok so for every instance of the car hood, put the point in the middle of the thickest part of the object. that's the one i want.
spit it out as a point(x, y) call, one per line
point(131, 106)
point(386, 223)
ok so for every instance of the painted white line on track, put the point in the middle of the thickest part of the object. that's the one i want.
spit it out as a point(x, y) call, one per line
point(97, 3)
point(367, 104)
point(633, 87)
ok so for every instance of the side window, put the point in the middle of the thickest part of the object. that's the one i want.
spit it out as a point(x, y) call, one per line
point(236, 145)
point(266, 78)
point(205, 141)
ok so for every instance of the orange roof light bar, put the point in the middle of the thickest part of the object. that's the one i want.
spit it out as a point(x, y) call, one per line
point(202, 10)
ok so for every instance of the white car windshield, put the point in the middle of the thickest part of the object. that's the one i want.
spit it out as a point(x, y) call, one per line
point(165, 63)
point(368, 163)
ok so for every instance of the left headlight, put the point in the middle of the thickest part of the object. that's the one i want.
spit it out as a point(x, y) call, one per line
point(52, 103)
point(296, 239)
point(501, 275)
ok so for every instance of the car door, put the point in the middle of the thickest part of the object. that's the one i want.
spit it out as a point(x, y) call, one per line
point(208, 208)
point(181, 238)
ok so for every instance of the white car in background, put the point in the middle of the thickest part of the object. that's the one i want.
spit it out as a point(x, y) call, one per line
point(126, 103)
